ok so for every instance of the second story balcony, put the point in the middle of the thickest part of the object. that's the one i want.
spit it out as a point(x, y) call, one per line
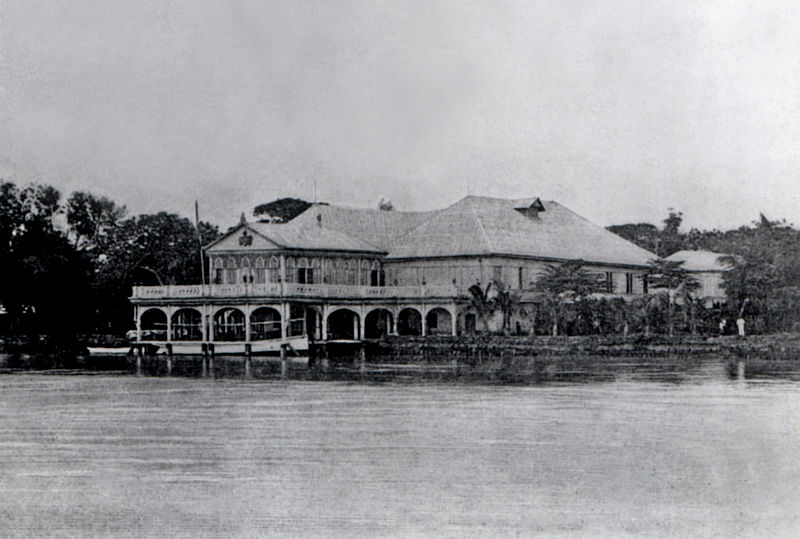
point(210, 292)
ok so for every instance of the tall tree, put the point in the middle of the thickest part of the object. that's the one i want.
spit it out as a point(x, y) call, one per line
point(674, 280)
point(283, 209)
point(750, 281)
point(507, 302)
point(564, 283)
point(150, 249)
point(482, 303)
point(46, 280)
point(91, 218)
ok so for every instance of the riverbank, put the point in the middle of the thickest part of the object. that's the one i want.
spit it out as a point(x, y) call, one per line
point(495, 358)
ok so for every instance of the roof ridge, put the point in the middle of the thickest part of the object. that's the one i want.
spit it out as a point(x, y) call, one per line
point(480, 225)
point(433, 214)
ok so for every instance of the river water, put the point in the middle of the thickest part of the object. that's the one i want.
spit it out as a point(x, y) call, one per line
point(706, 454)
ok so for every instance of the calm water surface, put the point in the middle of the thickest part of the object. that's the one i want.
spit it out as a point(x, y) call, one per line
point(146, 456)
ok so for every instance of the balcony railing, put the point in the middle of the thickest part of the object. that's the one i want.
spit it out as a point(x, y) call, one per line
point(213, 291)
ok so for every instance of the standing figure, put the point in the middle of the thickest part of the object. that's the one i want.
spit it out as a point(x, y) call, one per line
point(740, 325)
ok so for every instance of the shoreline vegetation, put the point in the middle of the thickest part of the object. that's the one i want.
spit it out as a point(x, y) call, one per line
point(85, 252)
point(495, 358)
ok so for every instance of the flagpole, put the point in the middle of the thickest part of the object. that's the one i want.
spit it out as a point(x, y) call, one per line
point(200, 242)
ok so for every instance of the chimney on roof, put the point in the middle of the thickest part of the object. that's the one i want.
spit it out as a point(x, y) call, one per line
point(532, 211)
point(319, 220)
point(242, 219)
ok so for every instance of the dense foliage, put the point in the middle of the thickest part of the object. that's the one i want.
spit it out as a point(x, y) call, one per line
point(282, 209)
point(763, 284)
point(69, 265)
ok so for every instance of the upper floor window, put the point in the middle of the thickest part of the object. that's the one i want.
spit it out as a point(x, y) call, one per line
point(352, 272)
point(291, 269)
point(339, 275)
point(305, 273)
point(260, 271)
point(230, 270)
point(377, 277)
point(609, 282)
point(274, 270)
point(219, 270)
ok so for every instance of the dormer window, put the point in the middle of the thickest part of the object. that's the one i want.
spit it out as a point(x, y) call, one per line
point(532, 211)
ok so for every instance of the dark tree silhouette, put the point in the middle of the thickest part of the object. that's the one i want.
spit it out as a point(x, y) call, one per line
point(284, 209)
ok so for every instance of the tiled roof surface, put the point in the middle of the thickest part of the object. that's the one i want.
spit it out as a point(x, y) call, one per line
point(481, 225)
point(471, 226)
point(298, 235)
point(699, 260)
point(377, 227)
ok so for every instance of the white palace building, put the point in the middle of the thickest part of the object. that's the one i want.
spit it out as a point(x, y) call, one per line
point(336, 274)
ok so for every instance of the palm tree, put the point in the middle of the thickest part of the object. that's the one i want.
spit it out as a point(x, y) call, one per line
point(750, 279)
point(644, 307)
point(669, 275)
point(506, 302)
point(481, 302)
point(563, 283)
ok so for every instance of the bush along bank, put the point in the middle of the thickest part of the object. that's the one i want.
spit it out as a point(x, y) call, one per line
point(474, 350)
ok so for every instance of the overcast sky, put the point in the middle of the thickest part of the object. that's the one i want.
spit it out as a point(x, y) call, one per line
point(617, 109)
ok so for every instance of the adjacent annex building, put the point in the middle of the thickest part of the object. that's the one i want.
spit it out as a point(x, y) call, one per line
point(338, 273)
point(708, 268)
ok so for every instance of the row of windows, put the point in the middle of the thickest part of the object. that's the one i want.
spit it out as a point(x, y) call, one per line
point(305, 270)
point(519, 277)
point(299, 270)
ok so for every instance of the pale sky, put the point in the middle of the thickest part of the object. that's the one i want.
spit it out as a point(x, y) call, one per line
point(617, 109)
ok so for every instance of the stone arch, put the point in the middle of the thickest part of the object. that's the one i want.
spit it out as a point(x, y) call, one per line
point(409, 322)
point(377, 323)
point(153, 323)
point(229, 324)
point(265, 323)
point(187, 325)
point(343, 324)
point(438, 321)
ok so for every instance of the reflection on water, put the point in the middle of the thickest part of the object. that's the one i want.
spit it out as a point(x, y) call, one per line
point(692, 448)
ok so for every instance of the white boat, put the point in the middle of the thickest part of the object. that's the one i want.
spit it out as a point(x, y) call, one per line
point(297, 343)
point(109, 350)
